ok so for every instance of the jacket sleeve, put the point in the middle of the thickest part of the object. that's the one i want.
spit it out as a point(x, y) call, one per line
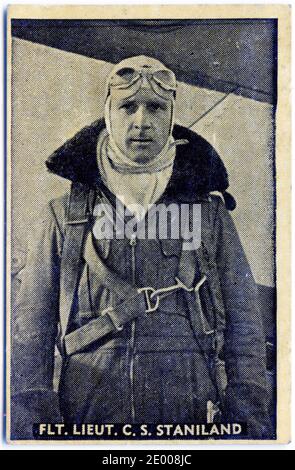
point(244, 342)
point(34, 330)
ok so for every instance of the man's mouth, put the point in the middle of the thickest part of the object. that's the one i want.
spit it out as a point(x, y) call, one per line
point(141, 139)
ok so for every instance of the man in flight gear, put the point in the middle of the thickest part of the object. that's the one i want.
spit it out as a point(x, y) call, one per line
point(148, 331)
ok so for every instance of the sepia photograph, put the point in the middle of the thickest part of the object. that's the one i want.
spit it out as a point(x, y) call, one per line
point(144, 211)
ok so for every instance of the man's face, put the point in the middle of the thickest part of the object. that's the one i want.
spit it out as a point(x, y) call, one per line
point(140, 124)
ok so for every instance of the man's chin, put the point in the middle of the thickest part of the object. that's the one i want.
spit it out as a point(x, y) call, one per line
point(141, 152)
point(141, 155)
point(143, 158)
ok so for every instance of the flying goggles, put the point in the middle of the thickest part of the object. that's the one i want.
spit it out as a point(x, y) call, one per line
point(162, 81)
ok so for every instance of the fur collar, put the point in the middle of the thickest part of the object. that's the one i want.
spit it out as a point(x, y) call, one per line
point(198, 169)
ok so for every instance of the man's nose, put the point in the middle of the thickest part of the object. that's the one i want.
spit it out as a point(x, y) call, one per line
point(142, 118)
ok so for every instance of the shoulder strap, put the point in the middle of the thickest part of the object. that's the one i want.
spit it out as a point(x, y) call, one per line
point(206, 309)
point(78, 220)
point(203, 318)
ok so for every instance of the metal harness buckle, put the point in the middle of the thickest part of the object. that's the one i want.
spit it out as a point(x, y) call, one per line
point(149, 292)
point(158, 294)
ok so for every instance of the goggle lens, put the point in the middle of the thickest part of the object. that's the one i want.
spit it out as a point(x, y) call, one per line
point(125, 77)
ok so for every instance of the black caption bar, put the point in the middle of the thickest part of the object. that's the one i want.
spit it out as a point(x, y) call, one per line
point(161, 431)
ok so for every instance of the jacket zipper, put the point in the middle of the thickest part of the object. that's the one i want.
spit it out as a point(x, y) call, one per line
point(132, 242)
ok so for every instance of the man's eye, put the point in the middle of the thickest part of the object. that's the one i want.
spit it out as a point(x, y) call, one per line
point(154, 106)
point(128, 106)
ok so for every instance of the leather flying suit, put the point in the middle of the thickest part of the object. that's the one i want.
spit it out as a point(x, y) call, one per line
point(153, 369)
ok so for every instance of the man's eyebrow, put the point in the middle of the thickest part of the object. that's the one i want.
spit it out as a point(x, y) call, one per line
point(126, 100)
point(157, 101)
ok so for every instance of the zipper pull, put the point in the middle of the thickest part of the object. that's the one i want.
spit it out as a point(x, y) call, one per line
point(133, 240)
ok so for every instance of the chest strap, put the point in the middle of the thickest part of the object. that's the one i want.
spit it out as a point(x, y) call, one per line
point(110, 320)
point(133, 302)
